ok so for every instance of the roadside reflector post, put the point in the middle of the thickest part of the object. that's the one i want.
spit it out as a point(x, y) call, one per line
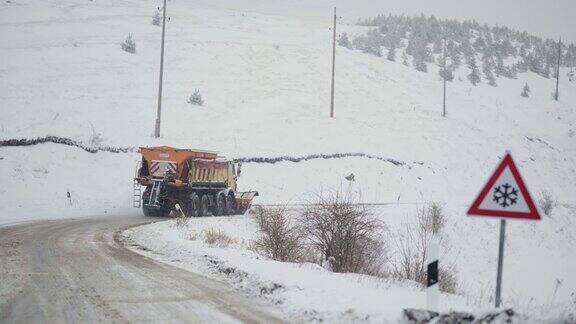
point(500, 262)
point(432, 284)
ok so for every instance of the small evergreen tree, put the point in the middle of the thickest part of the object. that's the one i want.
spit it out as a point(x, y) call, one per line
point(419, 64)
point(525, 91)
point(156, 20)
point(344, 41)
point(391, 54)
point(129, 45)
point(373, 49)
point(448, 73)
point(500, 68)
point(196, 98)
point(405, 59)
point(487, 67)
point(456, 61)
point(474, 75)
point(490, 77)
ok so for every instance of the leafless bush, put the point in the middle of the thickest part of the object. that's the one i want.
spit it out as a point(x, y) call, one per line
point(412, 247)
point(345, 234)
point(448, 278)
point(413, 243)
point(181, 221)
point(278, 238)
point(431, 219)
point(547, 202)
point(214, 237)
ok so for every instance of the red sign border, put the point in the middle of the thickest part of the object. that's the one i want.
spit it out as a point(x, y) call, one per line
point(533, 213)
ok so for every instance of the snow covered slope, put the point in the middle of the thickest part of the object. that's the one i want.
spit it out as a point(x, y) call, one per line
point(264, 76)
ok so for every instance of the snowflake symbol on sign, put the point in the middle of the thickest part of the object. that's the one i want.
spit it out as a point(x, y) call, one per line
point(505, 195)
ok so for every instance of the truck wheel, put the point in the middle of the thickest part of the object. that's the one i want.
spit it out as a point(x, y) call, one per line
point(192, 205)
point(149, 212)
point(230, 204)
point(196, 205)
point(164, 211)
point(203, 211)
point(220, 205)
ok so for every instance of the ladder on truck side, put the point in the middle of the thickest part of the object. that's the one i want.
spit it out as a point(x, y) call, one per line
point(137, 197)
point(137, 194)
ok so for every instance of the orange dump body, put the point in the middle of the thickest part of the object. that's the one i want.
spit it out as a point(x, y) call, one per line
point(160, 158)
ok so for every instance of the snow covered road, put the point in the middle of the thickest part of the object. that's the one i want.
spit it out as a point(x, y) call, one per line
point(77, 270)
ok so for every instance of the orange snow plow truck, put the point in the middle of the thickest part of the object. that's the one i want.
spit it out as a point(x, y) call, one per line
point(192, 182)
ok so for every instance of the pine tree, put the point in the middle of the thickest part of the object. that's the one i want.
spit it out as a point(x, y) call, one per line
point(196, 98)
point(474, 75)
point(456, 61)
point(448, 73)
point(391, 54)
point(437, 46)
point(487, 66)
point(156, 20)
point(490, 77)
point(419, 64)
point(405, 59)
point(500, 68)
point(129, 45)
point(344, 41)
point(525, 91)
point(513, 72)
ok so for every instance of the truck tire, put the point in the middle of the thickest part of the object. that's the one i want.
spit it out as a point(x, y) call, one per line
point(153, 212)
point(192, 205)
point(220, 205)
point(203, 210)
point(149, 212)
point(230, 204)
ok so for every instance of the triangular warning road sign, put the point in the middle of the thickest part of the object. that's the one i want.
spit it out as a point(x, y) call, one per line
point(505, 195)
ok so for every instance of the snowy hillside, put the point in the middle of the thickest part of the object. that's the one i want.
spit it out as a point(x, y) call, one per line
point(265, 80)
point(502, 51)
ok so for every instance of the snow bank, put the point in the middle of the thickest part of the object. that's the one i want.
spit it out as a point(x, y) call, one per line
point(308, 292)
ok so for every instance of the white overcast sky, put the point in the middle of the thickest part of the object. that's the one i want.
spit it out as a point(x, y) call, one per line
point(545, 18)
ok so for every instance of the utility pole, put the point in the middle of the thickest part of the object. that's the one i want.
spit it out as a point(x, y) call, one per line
point(158, 113)
point(558, 67)
point(444, 76)
point(333, 66)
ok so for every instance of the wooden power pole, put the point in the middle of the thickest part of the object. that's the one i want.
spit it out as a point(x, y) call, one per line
point(158, 113)
point(333, 65)
point(444, 77)
point(558, 67)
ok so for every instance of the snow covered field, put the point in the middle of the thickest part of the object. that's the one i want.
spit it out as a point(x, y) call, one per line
point(264, 75)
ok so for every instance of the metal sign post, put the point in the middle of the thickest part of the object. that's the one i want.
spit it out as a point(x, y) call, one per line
point(500, 262)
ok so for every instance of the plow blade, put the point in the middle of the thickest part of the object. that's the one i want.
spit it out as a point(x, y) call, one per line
point(244, 201)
